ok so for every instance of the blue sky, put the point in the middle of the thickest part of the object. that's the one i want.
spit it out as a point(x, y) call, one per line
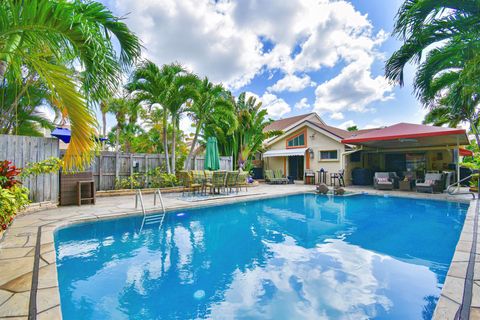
point(297, 56)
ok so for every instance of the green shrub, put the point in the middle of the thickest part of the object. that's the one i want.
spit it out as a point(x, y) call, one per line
point(11, 201)
point(136, 181)
point(158, 179)
point(50, 165)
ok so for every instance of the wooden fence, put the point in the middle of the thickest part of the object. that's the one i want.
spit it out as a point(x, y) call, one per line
point(111, 166)
point(226, 163)
point(21, 150)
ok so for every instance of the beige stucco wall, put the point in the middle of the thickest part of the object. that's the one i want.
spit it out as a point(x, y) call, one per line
point(315, 140)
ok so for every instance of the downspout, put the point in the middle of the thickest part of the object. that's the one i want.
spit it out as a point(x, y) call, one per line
point(458, 164)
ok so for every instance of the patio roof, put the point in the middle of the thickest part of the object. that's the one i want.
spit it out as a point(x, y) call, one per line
point(409, 135)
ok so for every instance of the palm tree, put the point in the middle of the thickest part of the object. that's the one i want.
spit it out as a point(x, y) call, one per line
point(211, 106)
point(182, 92)
point(46, 39)
point(447, 78)
point(167, 87)
point(250, 134)
point(126, 111)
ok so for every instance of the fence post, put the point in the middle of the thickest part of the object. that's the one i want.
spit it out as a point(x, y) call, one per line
point(100, 174)
point(131, 170)
point(146, 170)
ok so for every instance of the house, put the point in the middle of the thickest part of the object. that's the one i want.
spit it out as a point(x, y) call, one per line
point(308, 143)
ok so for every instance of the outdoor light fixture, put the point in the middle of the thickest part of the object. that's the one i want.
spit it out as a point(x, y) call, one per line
point(408, 140)
point(312, 154)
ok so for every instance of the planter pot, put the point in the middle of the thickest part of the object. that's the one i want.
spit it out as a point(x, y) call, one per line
point(474, 189)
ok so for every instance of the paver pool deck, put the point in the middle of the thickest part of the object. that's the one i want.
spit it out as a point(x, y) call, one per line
point(28, 274)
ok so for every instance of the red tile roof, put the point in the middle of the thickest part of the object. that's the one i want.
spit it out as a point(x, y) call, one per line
point(402, 131)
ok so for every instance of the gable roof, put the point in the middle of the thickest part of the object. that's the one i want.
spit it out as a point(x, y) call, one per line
point(285, 123)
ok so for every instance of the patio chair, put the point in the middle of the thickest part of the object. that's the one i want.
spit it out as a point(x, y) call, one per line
point(269, 178)
point(279, 176)
point(198, 178)
point(382, 181)
point(217, 182)
point(208, 175)
point(242, 180)
point(186, 179)
point(231, 181)
point(433, 182)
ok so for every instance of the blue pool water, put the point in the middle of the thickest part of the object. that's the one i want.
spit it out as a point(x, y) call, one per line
point(295, 257)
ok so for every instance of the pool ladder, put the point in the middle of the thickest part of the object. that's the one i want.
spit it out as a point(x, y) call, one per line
point(454, 188)
point(152, 218)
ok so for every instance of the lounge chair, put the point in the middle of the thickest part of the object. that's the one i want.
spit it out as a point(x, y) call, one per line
point(231, 182)
point(198, 178)
point(269, 178)
point(242, 180)
point(383, 181)
point(217, 182)
point(279, 176)
point(433, 182)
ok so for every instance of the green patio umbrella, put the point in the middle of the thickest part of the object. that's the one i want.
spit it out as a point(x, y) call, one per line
point(212, 159)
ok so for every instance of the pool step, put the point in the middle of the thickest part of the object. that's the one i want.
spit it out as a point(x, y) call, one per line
point(153, 219)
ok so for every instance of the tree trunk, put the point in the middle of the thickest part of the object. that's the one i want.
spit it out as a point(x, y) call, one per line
point(174, 145)
point(192, 148)
point(104, 128)
point(165, 142)
point(117, 138)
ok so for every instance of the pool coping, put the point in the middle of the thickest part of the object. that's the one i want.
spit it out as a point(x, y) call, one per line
point(41, 299)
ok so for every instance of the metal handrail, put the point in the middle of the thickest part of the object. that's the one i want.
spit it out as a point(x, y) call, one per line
point(157, 192)
point(452, 192)
point(138, 195)
point(154, 217)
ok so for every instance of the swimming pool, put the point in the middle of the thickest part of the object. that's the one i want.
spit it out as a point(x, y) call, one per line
point(294, 257)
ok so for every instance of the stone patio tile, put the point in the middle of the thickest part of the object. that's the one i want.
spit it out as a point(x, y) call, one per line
point(445, 309)
point(458, 269)
point(476, 294)
point(47, 298)
point(453, 289)
point(47, 276)
point(16, 306)
point(474, 313)
point(464, 246)
point(20, 284)
point(49, 257)
point(13, 242)
point(54, 313)
point(4, 296)
point(47, 247)
point(14, 268)
point(46, 238)
point(9, 253)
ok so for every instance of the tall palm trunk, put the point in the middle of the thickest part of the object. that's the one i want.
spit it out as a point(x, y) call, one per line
point(192, 148)
point(117, 139)
point(165, 142)
point(104, 128)
point(174, 143)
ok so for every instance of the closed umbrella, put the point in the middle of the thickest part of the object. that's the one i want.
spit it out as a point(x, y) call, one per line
point(212, 159)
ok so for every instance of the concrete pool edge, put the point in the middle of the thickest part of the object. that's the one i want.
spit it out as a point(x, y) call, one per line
point(17, 254)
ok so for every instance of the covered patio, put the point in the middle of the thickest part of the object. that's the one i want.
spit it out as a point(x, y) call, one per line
point(406, 149)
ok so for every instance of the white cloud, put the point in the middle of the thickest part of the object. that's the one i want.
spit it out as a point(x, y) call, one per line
point(302, 104)
point(222, 39)
point(275, 106)
point(291, 83)
point(346, 124)
point(337, 116)
point(353, 89)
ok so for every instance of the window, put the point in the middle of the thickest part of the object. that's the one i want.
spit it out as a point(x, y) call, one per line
point(297, 141)
point(328, 155)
